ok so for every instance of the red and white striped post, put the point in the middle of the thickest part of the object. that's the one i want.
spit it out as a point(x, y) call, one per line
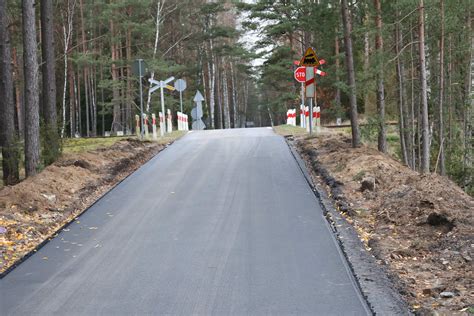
point(310, 89)
point(162, 123)
point(145, 120)
point(153, 125)
point(137, 126)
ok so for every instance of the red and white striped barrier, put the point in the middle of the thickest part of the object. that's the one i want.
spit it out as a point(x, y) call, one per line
point(291, 117)
point(317, 118)
point(182, 122)
point(153, 124)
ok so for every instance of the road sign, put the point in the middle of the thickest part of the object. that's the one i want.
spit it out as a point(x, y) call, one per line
point(180, 85)
point(139, 67)
point(196, 112)
point(309, 59)
point(300, 74)
point(198, 97)
point(161, 85)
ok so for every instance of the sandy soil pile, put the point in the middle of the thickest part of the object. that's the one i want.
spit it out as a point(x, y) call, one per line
point(419, 226)
point(33, 210)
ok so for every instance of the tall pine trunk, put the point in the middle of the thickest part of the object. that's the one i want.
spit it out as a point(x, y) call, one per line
point(10, 154)
point(425, 153)
point(442, 167)
point(402, 99)
point(32, 135)
point(51, 136)
point(382, 137)
point(350, 73)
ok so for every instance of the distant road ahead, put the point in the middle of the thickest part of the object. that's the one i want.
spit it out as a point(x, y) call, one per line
point(222, 222)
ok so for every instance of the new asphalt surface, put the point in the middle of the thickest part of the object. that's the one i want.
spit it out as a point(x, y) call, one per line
point(222, 222)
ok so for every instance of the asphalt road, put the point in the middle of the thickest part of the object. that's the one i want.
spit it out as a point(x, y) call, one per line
point(222, 222)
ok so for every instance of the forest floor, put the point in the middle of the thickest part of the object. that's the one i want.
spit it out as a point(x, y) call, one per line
point(420, 227)
point(33, 211)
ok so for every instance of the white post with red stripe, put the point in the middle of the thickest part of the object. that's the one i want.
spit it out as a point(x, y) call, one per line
point(162, 123)
point(145, 120)
point(169, 122)
point(153, 125)
point(317, 119)
point(137, 126)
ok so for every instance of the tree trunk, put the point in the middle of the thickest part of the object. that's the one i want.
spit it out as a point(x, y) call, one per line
point(404, 139)
point(20, 107)
point(51, 141)
point(115, 89)
point(32, 136)
point(337, 98)
point(72, 102)
point(442, 168)
point(10, 154)
point(350, 73)
point(86, 68)
point(382, 137)
point(425, 157)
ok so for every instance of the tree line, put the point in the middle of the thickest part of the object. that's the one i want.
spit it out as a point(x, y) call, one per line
point(404, 60)
point(67, 70)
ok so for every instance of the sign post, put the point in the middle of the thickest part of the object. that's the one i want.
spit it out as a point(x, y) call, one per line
point(196, 113)
point(300, 76)
point(161, 85)
point(311, 62)
point(138, 69)
point(180, 86)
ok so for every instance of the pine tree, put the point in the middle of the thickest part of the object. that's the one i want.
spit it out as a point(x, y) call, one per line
point(10, 154)
point(32, 135)
point(51, 136)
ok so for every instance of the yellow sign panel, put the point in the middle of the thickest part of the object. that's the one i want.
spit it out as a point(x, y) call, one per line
point(309, 59)
point(170, 87)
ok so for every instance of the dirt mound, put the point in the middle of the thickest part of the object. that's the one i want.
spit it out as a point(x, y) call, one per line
point(33, 210)
point(420, 226)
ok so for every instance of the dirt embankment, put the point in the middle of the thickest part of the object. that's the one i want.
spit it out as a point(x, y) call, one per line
point(33, 210)
point(419, 226)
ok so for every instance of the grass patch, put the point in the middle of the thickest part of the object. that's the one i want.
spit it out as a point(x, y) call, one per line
point(80, 145)
point(289, 130)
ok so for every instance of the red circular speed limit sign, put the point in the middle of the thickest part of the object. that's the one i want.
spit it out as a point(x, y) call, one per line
point(300, 74)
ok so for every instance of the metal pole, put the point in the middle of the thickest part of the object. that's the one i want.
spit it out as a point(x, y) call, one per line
point(181, 100)
point(141, 98)
point(311, 110)
point(162, 133)
point(302, 117)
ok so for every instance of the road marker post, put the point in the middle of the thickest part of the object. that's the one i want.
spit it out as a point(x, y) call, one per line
point(169, 121)
point(162, 123)
point(145, 127)
point(137, 126)
point(153, 122)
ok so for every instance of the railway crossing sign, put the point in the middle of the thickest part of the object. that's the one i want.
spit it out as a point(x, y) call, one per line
point(162, 84)
point(309, 59)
